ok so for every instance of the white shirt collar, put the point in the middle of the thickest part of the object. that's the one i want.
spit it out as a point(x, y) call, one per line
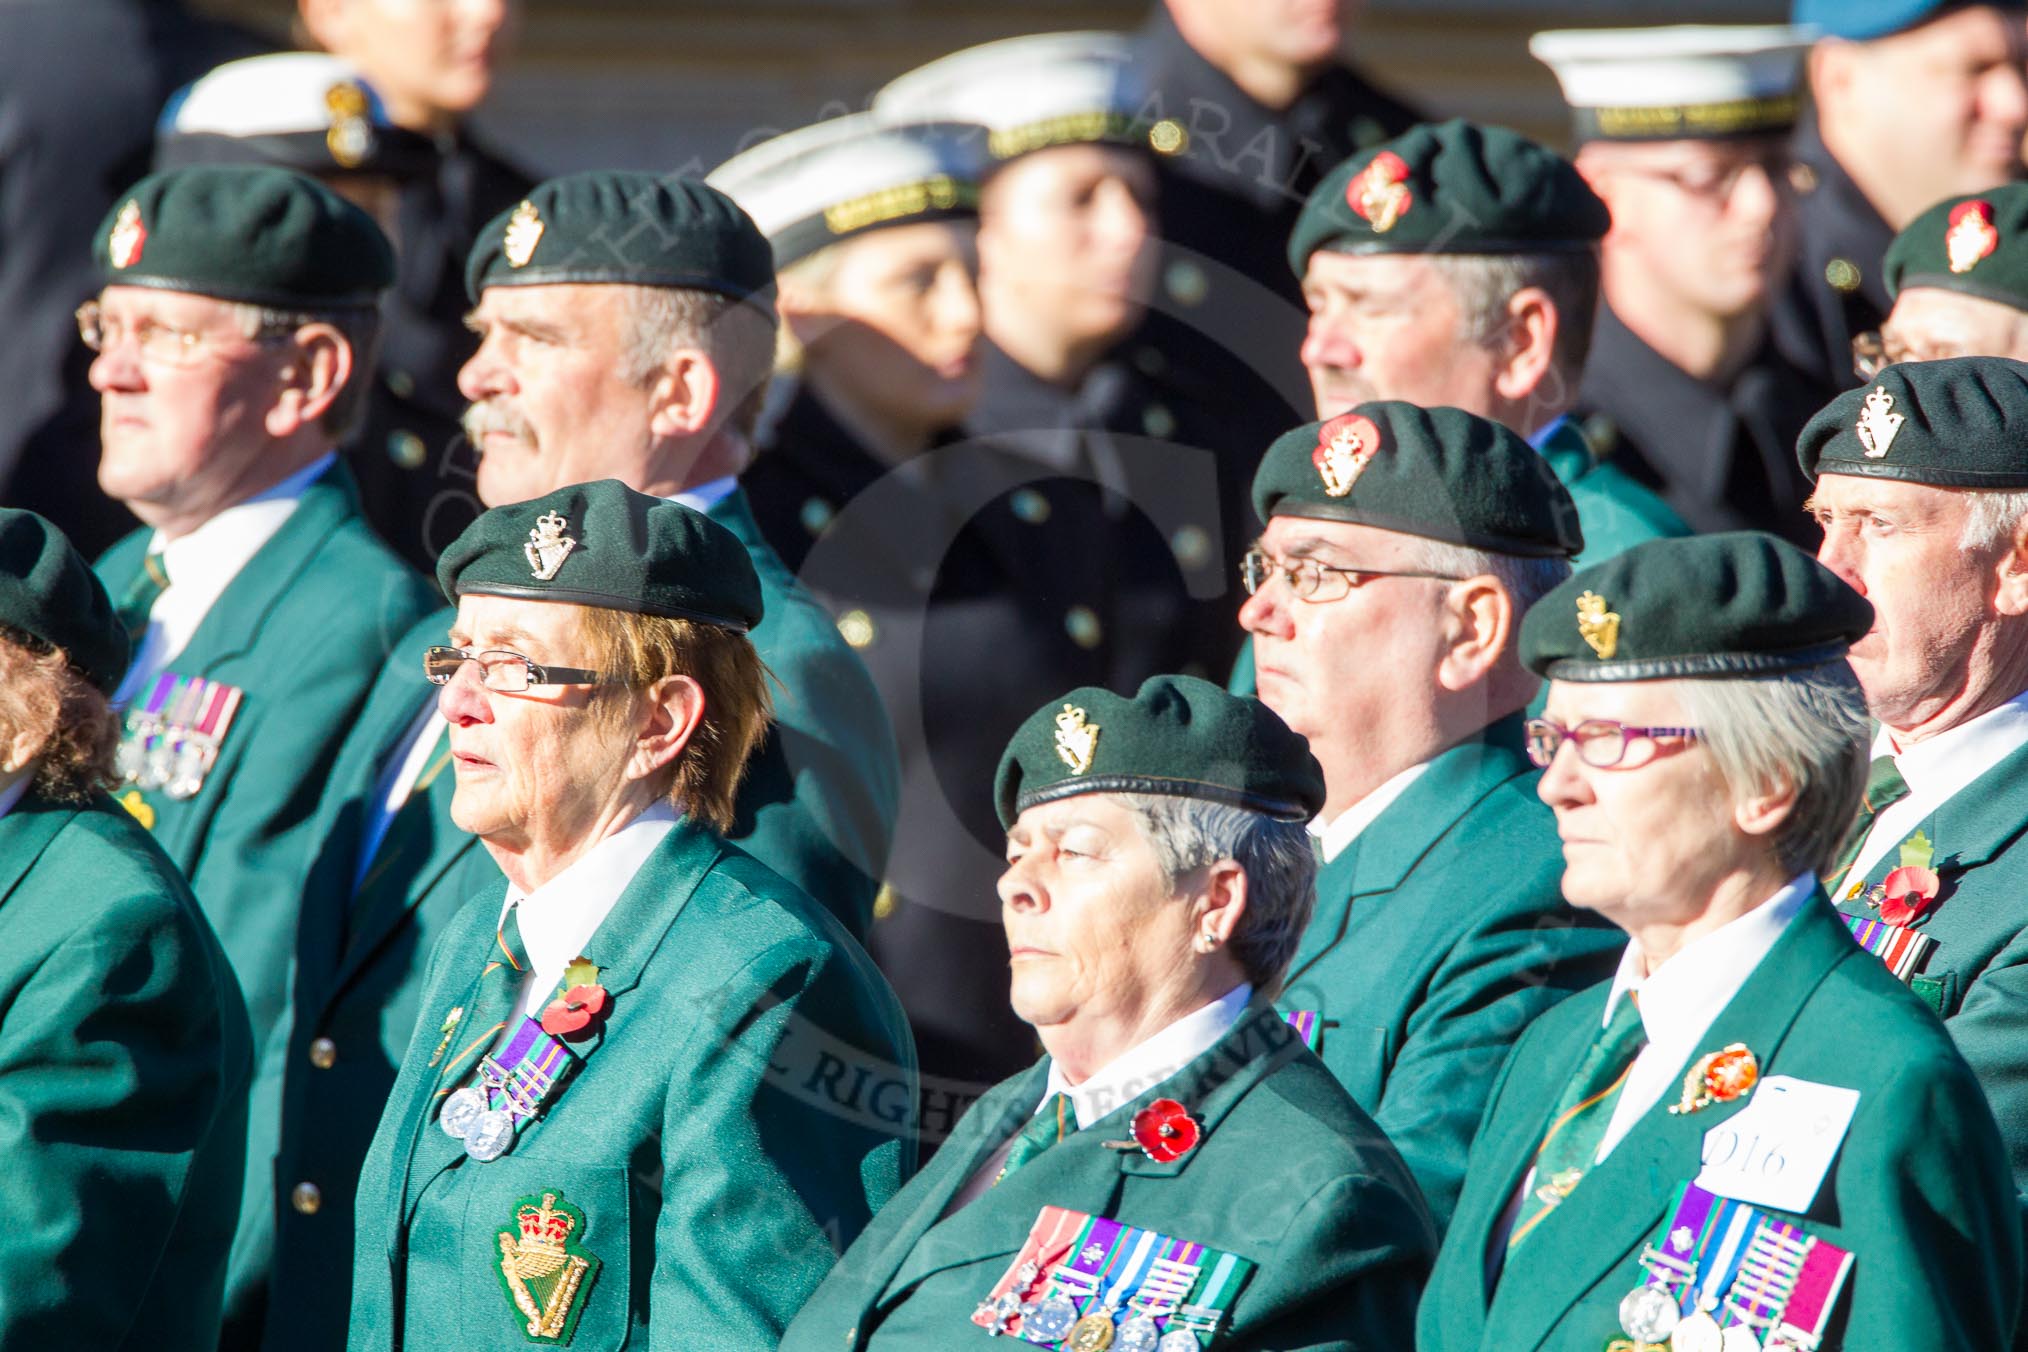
point(557, 920)
point(1135, 1071)
point(1935, 769)
point(203, 563)
point(1336, 835)
point(704, 497)
point(14, 787)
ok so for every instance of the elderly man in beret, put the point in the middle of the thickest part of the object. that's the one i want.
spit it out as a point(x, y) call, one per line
point(1922, 489)
point(626, 334)
point(124, 1052)
point(1911, 101)
point(1752, 1135)
point(655, 1086)
point(1402, 547)
point(1178, 1171)
point(1683, 133)
point(1958, 280)
point(231, 339)
point(1458, 265)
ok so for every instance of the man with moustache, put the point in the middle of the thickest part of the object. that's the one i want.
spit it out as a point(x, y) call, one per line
point(1683, 133)
point(625, 332)
point(1911, 101)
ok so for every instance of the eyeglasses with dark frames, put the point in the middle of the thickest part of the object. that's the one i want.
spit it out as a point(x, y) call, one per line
point(503, 670)
point(1310, 580)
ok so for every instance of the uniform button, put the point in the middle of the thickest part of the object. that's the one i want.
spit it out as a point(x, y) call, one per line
point(857, 627)
point(1802, 178)
point(1082, 626)
point(1186, 283)
point(1150, 361)
point(1842, 274)
point(407, 450)
point(816, 515)
point(1029, 506)
point(401, 382)
point(1158, 422)
point(1192, 546)
point(306, 1198)
point(323, 1053)
point(1167, 137)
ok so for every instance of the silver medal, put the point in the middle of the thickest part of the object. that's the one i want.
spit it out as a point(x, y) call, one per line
point(1052, 1318)
point(157, 764)
point(1648, 1314)
point(460, 1111)
point(1178, 1340)
point(1137, 1334)
point(186, 776)
point(493, 1133)
point(127, 760)
point(1740, 1338)
point(1698, 1332)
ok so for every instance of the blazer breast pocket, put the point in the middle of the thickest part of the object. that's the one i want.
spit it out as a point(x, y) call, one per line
point(546, 1255)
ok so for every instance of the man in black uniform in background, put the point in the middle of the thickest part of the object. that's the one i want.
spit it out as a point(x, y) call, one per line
point(1912, 101)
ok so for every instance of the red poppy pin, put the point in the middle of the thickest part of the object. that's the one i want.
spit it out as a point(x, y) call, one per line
point(583, 1003)
point(1346, 444)
point(1379, 192)
point(1718, 1077)
point(1165, 1131)
point(1906, 893)
point(1971, 236)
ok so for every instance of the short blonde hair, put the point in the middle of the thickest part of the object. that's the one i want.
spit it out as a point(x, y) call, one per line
point(43, 694)
point(639, 650)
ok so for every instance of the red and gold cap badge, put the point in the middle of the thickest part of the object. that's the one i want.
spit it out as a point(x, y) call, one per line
point(1379, 192)
point(1345, 446)
point(123, 245)
point(1971, 236)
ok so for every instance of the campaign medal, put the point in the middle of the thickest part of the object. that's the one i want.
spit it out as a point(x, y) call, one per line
point(1699, 1332)
point(511, 1092)
point(461, 1111)
point(544, 1267)
point(490, 1135)
point(1093, 1333)
point(173, 735)
point(1178, 1340)
point(1648, 1314)
point(1008, 1308)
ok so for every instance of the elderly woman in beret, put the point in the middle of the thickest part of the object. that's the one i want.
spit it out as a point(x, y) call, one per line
point(1179, 1171)
point(124, 1046)
point(655, 1084)
point(1753, 1136)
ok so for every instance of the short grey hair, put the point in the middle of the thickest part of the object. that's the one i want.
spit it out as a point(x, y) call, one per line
point(1484, 283)
point(1525, 580)
point(1993, 519)
point(1807, 729)
point(1275, 855)
point(358, 325)
point(738, 335)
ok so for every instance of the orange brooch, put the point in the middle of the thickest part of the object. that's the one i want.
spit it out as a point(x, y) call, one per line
point(1718, 1077)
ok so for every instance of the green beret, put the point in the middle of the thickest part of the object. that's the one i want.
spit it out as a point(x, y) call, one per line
point(1451, 188)
point(1977, 244)
point(1179, 736)
point(1957, 423)
point(48, 591)
point(1441, 473)
point(1735, 604)
point(603, 544)
point(629, 228)
point(246, 233)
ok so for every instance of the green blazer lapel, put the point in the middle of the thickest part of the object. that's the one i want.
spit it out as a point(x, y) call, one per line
point(1971, 826)
point(1390, 847)
point(1617, 1206)
point(1085, 1166)
point(235, 620)
point(25, 832)
point(381, 903)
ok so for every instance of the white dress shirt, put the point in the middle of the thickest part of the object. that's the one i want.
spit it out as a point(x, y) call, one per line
point(1124, 1078)
point(559, 918)
point(1337, 834)
point(201, 565)
point(705, 496)
point(13, 787)
point(1936, 768)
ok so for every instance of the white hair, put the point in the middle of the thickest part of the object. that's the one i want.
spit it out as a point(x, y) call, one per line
point(1525, 580)
point(1992, 519)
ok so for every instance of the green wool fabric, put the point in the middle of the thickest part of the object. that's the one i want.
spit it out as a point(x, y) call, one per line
point(1178, 735)
point(247, 233)
point(1740, 603)
point(1451, 188)
point(1961, 422)
point(629, 228)
point(48, 591)
point(1440, 473)
point(603, 544)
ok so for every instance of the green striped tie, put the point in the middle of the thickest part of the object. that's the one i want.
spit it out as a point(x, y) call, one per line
point(1884, 788)
point(1582, 1115)
point(141, 595)
point(1044, 1130)
point(492, 1005)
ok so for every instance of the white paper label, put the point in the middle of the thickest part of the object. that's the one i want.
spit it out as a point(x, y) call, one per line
point(1776, 1150)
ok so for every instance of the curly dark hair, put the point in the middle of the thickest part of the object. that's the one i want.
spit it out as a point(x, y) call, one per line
point(69, 719)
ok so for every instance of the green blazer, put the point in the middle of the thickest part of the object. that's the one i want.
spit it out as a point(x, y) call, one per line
point(1440, 933)
point(1919, 1191)
point(330, 1063)
point(819, 800)
point(1342, 1240)
point(742, 1111)
point(1977, 975)
point(1615, 511)
point(124, 1056)
point(301, 630)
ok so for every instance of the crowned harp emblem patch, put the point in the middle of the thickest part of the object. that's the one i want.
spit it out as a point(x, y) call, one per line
point(548, 546)
point(1076, 739)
